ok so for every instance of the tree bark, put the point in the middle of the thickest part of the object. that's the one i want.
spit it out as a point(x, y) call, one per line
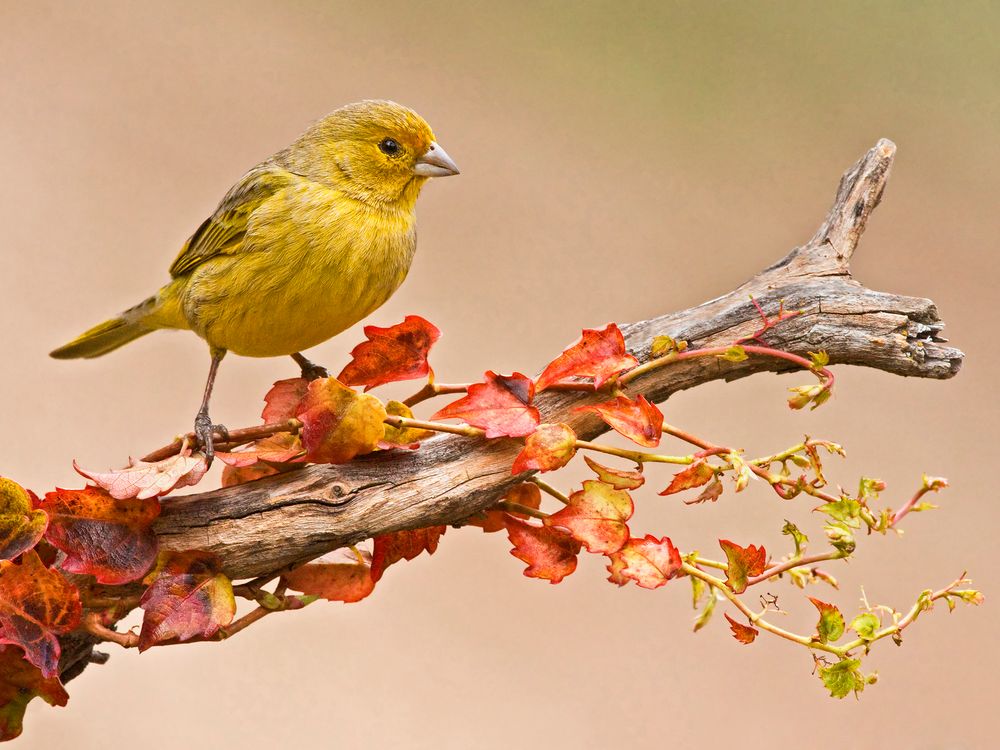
point(259, 527)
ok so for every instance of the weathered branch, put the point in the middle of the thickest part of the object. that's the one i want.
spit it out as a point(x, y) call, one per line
point(264, 525)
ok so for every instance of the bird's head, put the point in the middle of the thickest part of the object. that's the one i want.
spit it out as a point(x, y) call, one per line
point(376, 151)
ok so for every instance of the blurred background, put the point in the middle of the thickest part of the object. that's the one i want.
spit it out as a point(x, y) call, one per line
point(619, 160)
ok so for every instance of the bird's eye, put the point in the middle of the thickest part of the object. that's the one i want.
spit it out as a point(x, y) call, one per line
point(389, 147)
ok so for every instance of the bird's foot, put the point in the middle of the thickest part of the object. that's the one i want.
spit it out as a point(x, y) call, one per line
point(310, 370)
point(205, 432)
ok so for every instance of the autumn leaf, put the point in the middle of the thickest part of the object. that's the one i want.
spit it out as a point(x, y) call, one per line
point(620, 479)
point(338, 423)
point(390, 548)
point(102, 536)
point(344, 575)
point(525, 493)
point(649, 561)
point(391, 354)
point(232, 475)
point(20, 683)
point(36, 604)
point(142, 480)
point(598, 354)
point(265, 457)
point(549, 447)
point(21, 525)
point(695, 475)
point(711, 493)
point(550, 553)
point(831, 623)
point(744, 563)
point(742, 633)
point(401, 437)
point(638, 420)
point(501, 406)
point(596, 516)
point(281, 403)
point(188, 597)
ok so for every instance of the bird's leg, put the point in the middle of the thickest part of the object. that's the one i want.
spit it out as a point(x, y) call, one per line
point(310, 370)
point(204, 430)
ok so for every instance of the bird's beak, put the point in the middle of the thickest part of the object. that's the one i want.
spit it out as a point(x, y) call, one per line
point(435, 163)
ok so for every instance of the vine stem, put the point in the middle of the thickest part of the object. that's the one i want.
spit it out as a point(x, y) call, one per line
point(800, 562)
point(235, 438)
point(638, 457)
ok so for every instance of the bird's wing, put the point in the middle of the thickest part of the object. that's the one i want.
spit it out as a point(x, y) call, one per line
point(223, 232)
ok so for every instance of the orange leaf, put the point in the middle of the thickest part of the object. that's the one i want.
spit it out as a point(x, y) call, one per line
point(596, 516)
point(143, 480)
point(282, 401)
point(21, 525)
point(695, 475)
point(598, 355)
point(617, 478)
point(102, 536)
point(550, 553)
point(403, 545)
point(550, 446)
point(525, 493)
point(742, 633)
point(338, 423)
point(639, 421)
point(391, 354)
point(744, 562)
point(36, 605)
point(340, 576)
point(263, 458)
point(501, 406)
point(649, 561)
point(189, 597)
point(19, 684)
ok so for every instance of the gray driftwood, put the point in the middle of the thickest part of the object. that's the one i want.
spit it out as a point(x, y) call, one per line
point(259, 527)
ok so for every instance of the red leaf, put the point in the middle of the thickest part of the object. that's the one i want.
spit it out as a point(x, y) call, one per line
point(391, 354)
point(598, 355)
point(143, 480)
point(742, 633)
point(526, 493)
point(744, 562)
point(36, 605)
point(282, 401)
point(19, 684)
point(549, 447)
point(189, 598)
point(501, 406)
point(617, 478)
point(340, 576)
point(338, 423)
point(21, 525)
point(639, 421)
point(596, 516)
point(403, 545)
point(107, 538)
point(649, 561)
point(550, 553)
point(695, 475)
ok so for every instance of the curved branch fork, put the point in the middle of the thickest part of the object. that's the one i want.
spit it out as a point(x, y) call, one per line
point(262, 526)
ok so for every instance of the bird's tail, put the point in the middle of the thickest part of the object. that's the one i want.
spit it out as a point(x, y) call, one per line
point(111, 334)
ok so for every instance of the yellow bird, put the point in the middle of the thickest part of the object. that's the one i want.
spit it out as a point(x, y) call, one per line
point(305, 245)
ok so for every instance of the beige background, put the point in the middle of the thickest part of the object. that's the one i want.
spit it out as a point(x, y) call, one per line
point(618, 160)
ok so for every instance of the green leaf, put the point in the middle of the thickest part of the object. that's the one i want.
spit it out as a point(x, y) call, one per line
point(800, 539)
point(846, 510)
point(843, 677)
point(706, 614)
point(819, 359)
point(831, 623)
point(868, 488)
point(841, 537)
point(866, 625)
point(735, 353)
point(664, 345)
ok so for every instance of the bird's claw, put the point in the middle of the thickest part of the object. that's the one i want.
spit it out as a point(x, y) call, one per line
point(205, 432)
point(314, 372)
